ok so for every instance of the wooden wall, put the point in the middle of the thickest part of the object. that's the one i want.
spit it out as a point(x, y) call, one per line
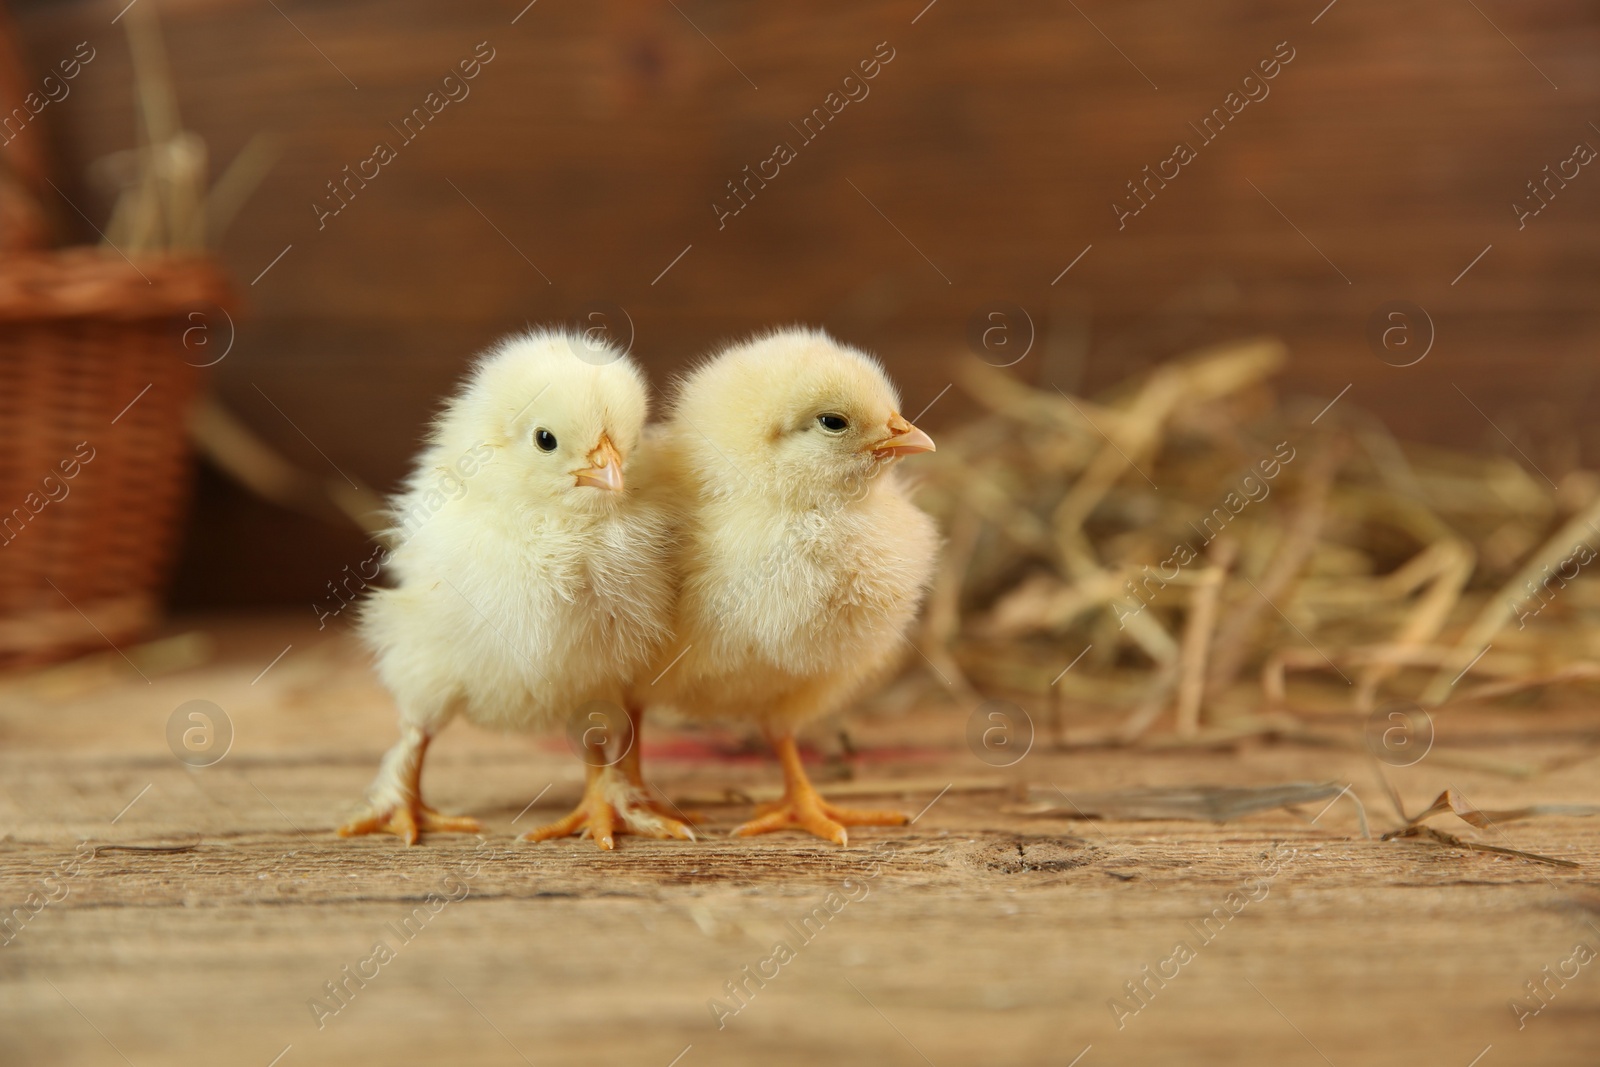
point(985, 158)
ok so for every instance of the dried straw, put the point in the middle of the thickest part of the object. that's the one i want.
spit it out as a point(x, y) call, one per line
point(1372, 570)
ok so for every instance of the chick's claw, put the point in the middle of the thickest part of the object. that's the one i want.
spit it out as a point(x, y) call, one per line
point(648, 796)
point(596, 821)
point(611, 806)
point(808, 811)
point(802, 807)
point(666, 809)
point(409, 822)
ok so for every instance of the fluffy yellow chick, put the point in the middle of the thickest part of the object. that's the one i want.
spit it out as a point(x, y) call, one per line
point(531, 582)
point(800, 557)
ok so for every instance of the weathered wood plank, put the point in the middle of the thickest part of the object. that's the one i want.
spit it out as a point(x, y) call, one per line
point(996, 140)
point(981, 937)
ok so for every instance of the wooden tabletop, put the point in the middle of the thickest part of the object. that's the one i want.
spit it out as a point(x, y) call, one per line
point(158, 913)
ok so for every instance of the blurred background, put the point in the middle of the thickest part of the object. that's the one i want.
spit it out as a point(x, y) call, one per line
point(587, 171)
point(1258, 340)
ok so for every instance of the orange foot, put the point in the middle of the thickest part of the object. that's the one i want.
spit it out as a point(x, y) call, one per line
point(409, 820)
point(817, 816)
point(802, 807)
point(649, 797)
point(611, 805)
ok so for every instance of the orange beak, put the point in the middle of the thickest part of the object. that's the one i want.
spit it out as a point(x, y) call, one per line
point(605, 467)
point(904, 440)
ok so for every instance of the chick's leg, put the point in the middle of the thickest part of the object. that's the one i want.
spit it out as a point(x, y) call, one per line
point(614, 801)
point(803, 808)
point(632, 770)
point(394, 800)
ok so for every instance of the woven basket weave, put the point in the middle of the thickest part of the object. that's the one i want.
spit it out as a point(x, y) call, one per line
point(83, 558)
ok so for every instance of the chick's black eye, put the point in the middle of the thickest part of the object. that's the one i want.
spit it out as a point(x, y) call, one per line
point(545, 440)
point(833, 423)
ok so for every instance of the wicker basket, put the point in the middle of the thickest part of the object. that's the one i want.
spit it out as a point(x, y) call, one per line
point(95, 391)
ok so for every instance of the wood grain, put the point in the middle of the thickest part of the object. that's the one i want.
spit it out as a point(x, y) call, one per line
point(971, 937)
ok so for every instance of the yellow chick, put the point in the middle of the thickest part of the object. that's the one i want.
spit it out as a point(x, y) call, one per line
point(532, 585)
point(800, 558)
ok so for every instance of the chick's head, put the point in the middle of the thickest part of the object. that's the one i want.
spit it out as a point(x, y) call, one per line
point(560, 425)
point(797, 412)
